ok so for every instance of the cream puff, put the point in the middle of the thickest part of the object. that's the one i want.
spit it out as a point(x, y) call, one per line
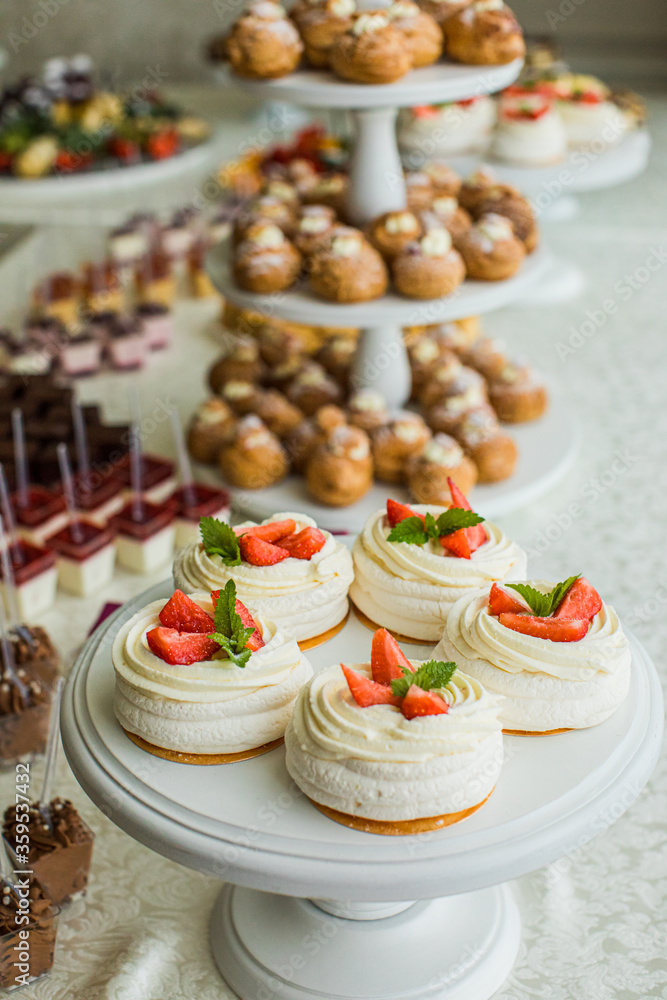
point(321, 25)
point(441, 460)
point(314, 225)
point(446, 213)
point(368, 410)
point(493, 452)
point(485, 33)
point(517, 394)
point(278, 345)
point(264, 43)
point(313, 388)
point(347, 268)
point(491, 250)
point(302, 441)
point(390, 233)
point(240, 363)
point(254, 458)
point(241, 397)
point(340, 470)
point(276, 411)
point(421, 31)
point(473, 189)
point(336, 356)
point(504, 200)
point(329, 189)
point(211, 426)
point(394, 443)
point(264, 209)
point(442, 10)
point(266, 261)
point(488, 356)
point(454, 380)
point(445, 180)
point(419, 190)
point(372, 50)
point(429, 268)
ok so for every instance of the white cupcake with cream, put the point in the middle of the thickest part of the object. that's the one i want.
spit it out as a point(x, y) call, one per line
point(410, 587)
point(388, 768)
point(304, 591)
point(590, 117)
point(530, 132)
point(212, 704)
point(570, 673)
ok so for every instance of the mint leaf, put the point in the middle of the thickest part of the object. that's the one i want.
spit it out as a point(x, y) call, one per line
point(230, 632)
point(432, 674)
point(411, 530)
point(220, 540)
point(454, 519)
point(541, 604)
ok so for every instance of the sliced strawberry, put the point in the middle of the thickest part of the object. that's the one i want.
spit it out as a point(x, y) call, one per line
point(476, 535)
point(387, 658)
point(272, 532)
point(581, 601)
point(555, 629)
point(501, 599)
point(367, 692)
point(419, 702)
point(173, 646)
point(457, 543)
point(181, 612)
point(255, 641)
point(260, 553)
point(162, 145)
point(397, 512)
point(304, 544)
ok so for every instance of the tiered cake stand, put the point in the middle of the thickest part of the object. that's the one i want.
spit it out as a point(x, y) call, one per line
point(315, 909)
point(377, 185)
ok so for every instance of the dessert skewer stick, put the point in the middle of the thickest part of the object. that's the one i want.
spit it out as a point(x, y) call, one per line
point(135, 456)
point(9, 665)
point(182, 456)
point(9, 583)
point(20, 458)
point(68, 490)
point(51, 755)
point(7, 512)
point(81, 441)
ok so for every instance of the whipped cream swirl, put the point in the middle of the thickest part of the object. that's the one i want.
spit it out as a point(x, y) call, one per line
point(374, 763)
point(546, 685)
point(411, 588)
point(304, 597)
point(209, 707)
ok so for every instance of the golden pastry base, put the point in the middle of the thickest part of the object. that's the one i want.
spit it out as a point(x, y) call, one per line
point(201, 758)
point(399, 828)
point(526, 732)
point(317, 640)
point(373, 626)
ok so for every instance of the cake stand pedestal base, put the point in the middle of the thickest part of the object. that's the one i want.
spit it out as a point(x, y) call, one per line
point(459, 947)
point(381, 363)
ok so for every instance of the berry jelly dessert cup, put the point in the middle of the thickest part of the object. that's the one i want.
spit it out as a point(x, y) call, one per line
point(59, 856)
point(156, 324)
point(44, 513)
point(99, 497)
point(127, 347)
point(158, 481)
point(145, 542)
point(25, 710)
point(191, 504)
point(40, 928)
point(85, 563)
point(81, 355)
point(35, 578)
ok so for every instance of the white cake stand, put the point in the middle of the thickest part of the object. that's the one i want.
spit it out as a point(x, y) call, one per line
point(69, 199)
point(314, 909)
point(547, 449)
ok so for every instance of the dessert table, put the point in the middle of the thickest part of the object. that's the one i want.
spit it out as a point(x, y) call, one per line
point(594, 922)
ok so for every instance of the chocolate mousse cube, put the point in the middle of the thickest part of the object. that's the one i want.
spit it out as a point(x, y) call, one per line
point(59, 854)
point(25, 709)
point(20, 965)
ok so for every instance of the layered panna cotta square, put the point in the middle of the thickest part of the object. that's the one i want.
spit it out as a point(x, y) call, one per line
point(145, 537)
point(193, 502)
point(35, 578)
point(157, 478)
point(42, 515)
point(85, 558)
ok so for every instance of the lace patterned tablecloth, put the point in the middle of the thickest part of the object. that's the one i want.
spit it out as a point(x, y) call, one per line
point(595, 923)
